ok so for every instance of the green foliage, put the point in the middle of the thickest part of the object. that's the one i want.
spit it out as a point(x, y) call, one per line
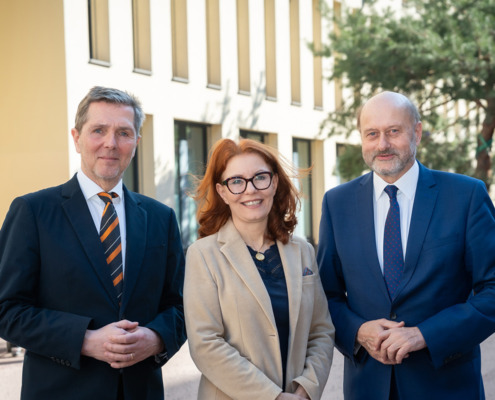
point(435, 52)
point(350, 163)
point(453, 156)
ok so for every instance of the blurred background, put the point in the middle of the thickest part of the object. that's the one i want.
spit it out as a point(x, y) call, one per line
point(289, 73)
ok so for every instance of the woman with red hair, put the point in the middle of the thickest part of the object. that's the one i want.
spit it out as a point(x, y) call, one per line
point(256, 314)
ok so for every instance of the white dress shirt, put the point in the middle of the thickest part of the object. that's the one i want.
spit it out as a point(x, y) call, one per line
point(406, 184)
point(96, 205)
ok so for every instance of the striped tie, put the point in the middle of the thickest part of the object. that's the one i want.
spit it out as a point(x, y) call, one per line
point(110, 238)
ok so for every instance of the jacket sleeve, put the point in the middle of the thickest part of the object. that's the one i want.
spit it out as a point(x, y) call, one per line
point(455, 330)
point(346, 322)
point(47, 332)
point(169, 322)
point(217, 360)
point(319, 351)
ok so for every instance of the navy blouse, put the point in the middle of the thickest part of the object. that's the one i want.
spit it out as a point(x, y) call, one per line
point(272, 274)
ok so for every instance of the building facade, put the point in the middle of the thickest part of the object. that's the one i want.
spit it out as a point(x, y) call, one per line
point(203, 69)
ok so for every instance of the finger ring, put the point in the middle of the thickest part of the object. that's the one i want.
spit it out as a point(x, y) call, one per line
point(132, 356)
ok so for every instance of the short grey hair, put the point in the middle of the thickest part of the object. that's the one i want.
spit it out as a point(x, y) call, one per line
point(109, 95)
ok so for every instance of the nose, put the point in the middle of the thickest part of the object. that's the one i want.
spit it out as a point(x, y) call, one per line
point(383, 142)
point(250, 187)
point(110, 140)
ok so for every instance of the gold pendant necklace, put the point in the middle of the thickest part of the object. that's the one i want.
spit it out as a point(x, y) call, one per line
point(259, 255)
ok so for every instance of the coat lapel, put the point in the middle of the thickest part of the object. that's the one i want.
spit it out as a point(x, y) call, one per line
point(77, 211)
point(237, 253)
point(136, 228)
point(424, 203)
point(290, 255)
point(366, 222)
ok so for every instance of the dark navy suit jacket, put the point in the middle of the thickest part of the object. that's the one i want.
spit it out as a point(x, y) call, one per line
point(55, 284)
point(447, 289)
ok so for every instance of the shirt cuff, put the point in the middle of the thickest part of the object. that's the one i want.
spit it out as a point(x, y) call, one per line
point(161, 358)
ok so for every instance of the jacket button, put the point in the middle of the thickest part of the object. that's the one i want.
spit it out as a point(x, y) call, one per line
point(393, 316)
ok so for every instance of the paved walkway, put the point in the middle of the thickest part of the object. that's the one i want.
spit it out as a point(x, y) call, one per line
point(181, 376)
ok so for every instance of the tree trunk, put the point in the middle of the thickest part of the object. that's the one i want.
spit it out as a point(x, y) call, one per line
point(483, 169)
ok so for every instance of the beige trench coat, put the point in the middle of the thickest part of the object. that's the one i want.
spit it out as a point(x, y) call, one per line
point(231, 327)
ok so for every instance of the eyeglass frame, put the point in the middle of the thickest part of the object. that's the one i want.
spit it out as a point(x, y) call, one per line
point(246, 181)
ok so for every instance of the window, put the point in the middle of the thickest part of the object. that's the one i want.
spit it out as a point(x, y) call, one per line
point(140, 174)
point(270, 51)
point(295, 51)
point(317, 66)
point(213, 43)
point(190, 159)
point(338, 82)
point(142, 35)
point(301, 157)
point(243, 46)
point(179, 40)
point(99, 33)
point(130, 178)
point(258, 136)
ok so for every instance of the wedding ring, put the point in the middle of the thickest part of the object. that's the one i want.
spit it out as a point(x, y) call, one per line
point(132, 356)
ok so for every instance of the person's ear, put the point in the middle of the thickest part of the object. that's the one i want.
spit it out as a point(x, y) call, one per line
point(275, 182)
point(221, 192)
point(418, 130)
point(75, 136)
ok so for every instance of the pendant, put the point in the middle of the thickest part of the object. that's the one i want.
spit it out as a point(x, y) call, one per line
point(260, 256)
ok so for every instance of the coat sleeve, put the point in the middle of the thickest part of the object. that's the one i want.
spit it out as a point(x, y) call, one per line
point(454, 331)
point(55, 334)
point(217, 360)
point(319, 351)
point(346, 322)
point(169, 322)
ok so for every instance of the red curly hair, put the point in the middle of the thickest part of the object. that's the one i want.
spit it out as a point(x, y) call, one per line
point(212, 211)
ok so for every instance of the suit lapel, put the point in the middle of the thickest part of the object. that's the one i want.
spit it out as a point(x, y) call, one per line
point(77, 211)
point(424, 203)
point(365, 220)
point(136, 228)
point(237, 253)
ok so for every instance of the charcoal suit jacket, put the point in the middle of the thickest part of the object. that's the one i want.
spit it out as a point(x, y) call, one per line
point(55, 284)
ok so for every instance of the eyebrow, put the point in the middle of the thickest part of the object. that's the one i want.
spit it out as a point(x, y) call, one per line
point(242, 176)
point(119, 128)
point(386, 129)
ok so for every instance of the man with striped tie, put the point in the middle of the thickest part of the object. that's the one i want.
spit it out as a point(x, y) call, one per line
point(91, 273)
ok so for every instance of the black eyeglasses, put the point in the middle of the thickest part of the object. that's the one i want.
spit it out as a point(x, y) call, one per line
point(238, 185)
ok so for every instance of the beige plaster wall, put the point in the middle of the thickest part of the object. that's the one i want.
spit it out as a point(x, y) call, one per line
point(33, 104)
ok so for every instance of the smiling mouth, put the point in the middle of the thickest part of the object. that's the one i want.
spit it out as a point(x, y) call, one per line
point(384, 156)
point(252, 203)
point(109, 158)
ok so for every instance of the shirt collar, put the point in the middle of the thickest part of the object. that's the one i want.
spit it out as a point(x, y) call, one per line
point(91, 189)
point(406, 183)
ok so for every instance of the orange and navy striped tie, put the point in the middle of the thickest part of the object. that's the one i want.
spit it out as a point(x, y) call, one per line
point(110, 238)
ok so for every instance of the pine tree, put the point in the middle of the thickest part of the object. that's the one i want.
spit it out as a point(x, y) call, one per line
point(438, 53)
